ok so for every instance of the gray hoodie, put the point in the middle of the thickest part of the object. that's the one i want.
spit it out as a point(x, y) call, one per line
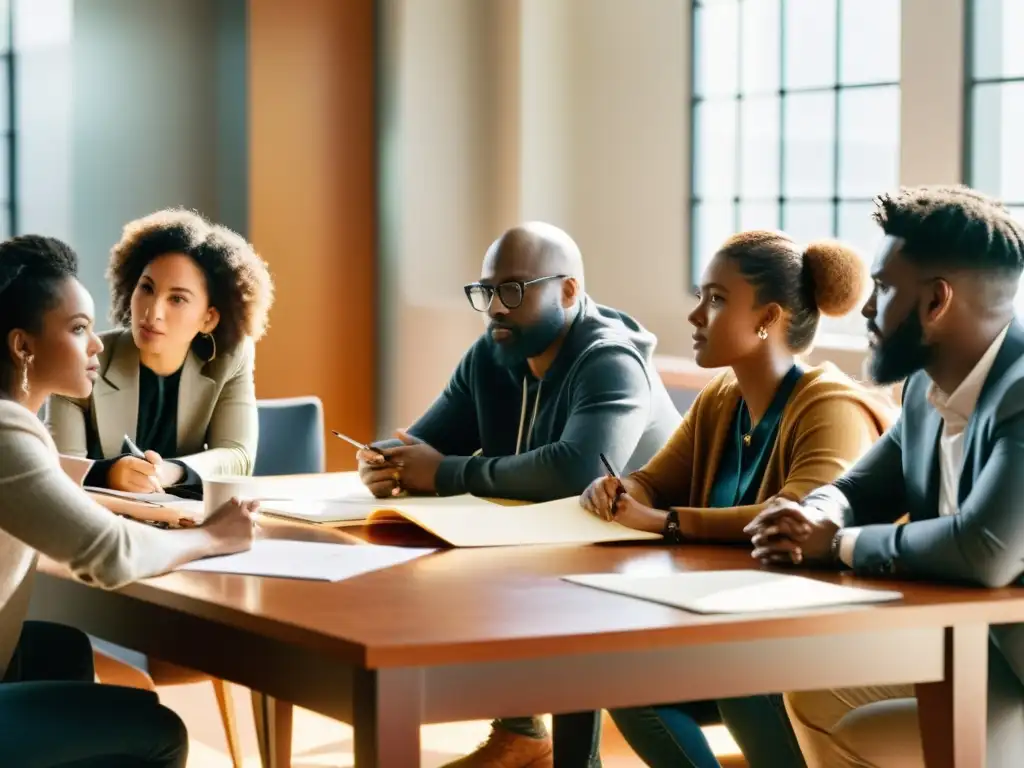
point(539, 440)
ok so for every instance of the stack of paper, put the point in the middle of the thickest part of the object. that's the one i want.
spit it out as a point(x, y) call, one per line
point(307, 560)
point(734, 591)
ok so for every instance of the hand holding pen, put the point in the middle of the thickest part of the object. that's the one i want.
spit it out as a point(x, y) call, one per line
point(619, 488)
point(137, 472)
point(380, 475)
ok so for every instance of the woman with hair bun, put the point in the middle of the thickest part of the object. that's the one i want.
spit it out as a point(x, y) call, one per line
point(768, 426)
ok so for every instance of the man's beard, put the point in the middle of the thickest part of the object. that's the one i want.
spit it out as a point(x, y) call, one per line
point(526, 341)
point(901, 354)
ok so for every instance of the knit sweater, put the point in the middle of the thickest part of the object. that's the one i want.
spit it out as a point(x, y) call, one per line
point(43, 510)
point(828, 423)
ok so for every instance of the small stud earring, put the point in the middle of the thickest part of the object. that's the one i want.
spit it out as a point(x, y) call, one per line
point(762, 333)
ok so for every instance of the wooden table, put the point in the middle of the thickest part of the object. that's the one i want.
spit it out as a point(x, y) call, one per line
point(467, 634)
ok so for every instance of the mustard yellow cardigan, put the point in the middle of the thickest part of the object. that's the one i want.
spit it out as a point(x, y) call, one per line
point(827, 424)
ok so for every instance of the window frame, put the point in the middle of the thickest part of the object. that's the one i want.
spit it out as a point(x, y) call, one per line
point(970, 83)
point(967, 157)
point(9, 132)
point(836, 88)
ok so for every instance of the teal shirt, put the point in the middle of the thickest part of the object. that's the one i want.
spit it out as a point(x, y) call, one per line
point(743, 462)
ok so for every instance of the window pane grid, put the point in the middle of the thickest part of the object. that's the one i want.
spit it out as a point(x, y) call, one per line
point(804, 159)
point(995, 105)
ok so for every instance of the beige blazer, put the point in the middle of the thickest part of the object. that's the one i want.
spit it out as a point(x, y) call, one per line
point(218, 428)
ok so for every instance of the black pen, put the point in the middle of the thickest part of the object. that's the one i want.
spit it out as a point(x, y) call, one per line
point(357, 444)
point(612, 473)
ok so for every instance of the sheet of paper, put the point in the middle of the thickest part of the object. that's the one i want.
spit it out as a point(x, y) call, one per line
point(484, 524)
point(734, 591)
point(331, 485)
point(145, 498)
point(315, 561)
point(354, 509)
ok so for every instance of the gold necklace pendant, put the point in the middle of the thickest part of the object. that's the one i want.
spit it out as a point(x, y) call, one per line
point(746, 440)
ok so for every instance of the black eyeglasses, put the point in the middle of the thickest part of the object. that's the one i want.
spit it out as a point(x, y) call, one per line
point(510, 293)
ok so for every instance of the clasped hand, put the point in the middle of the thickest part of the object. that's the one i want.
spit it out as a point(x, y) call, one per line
point(409, 467)
point(787, 534)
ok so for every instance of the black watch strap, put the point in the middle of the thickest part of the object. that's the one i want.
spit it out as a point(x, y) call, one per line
point(671, 530)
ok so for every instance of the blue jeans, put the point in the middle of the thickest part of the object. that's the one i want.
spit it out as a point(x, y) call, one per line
point(666, 736)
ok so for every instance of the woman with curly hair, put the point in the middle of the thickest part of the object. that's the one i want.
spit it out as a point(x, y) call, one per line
point(176, 379)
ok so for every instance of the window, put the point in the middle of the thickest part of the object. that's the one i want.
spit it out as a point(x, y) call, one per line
point(996, 103)
point(795, 120)
point(8, 209)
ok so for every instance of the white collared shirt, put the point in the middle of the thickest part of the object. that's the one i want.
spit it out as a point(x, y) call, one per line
point(955, 410)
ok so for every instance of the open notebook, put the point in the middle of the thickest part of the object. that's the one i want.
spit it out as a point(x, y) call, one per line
point(746, 591)
point(479, 523)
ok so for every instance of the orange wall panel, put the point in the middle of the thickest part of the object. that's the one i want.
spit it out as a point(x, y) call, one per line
point(312, 205)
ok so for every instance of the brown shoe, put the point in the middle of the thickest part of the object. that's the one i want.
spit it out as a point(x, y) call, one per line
point(504, 749)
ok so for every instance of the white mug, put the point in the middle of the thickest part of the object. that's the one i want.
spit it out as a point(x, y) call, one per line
point(217, 491)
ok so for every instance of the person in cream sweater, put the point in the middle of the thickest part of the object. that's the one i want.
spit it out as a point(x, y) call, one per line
point(46, 321)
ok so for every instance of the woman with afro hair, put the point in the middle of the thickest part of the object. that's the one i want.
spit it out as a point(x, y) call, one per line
point(176, 379)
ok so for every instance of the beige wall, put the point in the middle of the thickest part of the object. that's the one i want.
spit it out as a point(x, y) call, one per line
point(558, 110)
point(575, 112)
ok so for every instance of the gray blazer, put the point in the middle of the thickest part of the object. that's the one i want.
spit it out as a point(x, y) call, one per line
point(984, 543)
point(218, 427)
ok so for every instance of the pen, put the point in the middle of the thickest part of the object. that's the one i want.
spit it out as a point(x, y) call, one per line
point(357, 444)
point(135, 451)
point(612, 473)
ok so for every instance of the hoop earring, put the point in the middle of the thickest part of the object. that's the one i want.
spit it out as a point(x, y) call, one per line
point(762, 333)
point(213, 346)
point(26, 362)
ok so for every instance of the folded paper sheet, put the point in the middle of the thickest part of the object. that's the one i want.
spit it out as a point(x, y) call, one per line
point(306, 560)
point(734, 591)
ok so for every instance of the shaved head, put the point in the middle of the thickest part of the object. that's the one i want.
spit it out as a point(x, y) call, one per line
point(530, 286)
point(533, 250)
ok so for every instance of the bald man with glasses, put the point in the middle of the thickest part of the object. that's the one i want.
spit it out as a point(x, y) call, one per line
point(555, 381)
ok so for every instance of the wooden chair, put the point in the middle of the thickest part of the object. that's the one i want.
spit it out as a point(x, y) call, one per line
point(114, 671)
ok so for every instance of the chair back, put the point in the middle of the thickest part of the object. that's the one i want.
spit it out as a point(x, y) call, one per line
point(291, 436)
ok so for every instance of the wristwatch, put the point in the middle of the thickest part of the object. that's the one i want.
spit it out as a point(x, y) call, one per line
point(833, 550)
point(671, 530)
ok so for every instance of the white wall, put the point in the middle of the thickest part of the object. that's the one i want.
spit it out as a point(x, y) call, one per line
point(126, 107)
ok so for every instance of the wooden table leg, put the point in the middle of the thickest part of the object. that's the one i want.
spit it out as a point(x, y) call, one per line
point(273, 720)
point(387, 709)
point(953, 713)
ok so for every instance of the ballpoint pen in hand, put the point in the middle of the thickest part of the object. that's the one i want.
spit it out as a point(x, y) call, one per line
point(135, 451)
point(620, 491)
point(357, 444)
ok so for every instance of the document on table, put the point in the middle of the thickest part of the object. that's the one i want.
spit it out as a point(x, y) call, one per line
point(478, 523)
point(327, 511)
point(316, 561)
point(156, 499)
point(747, 591)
